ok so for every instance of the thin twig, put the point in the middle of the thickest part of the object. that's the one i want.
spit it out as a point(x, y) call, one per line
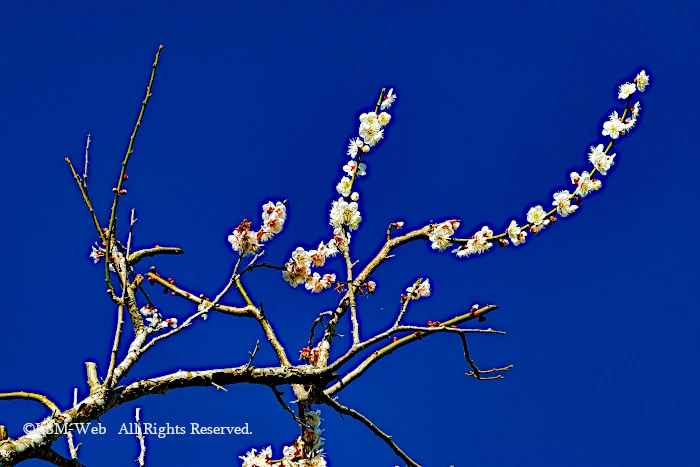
point(278, 395)
point(115, 345)
point(404, 307)
point(72, 448)
point(475, 371)
point(318, 320)
point(111, 230)
point(364, 420)
point(131, 232)
point(252, 355)
point(142, 440)
point(86, 199)
point(85, 172)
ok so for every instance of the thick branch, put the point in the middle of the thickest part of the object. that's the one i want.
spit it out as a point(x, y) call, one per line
point(92, 407)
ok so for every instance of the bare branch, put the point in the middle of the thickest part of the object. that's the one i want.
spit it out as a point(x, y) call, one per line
point(137, 256)
point(351, 296)
point(398, 343)
point(249, 311)
point(278, 395)
point(72, 448)
point(365, 421)
point(115, 345)
point(142, 439)
point(92, 379)
point(58, 460)
point(86, 199)
point(252, 355)
point(119, 191)
point(32, 397)
point(475, 371)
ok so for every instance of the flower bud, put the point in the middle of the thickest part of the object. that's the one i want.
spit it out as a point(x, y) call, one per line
point(365, 148)
point(125, 177)
point(355, 196)
point(122, 191)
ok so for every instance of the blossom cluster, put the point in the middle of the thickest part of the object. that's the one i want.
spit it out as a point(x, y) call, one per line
point(537, 218)
point(305, 451)
point(247, 242)
point(441, 233)
point(298, 268)
point(478, 243)
point(155, 320)
point(345, 213)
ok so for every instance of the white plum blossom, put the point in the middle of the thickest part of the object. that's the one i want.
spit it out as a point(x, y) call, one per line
point(352, 167)
point(585, 183)
point(370, 128)
point(340, 240)
point(636, 109)
point(251, 459)
point(642, 80)
point(345, 186)
point(328, 250)
point(478, 243)
point(601, 161)
point(613, 127)
point(626, 90)
point(537, 218)
point(156, 322)
point(271, 208)
point(319, 255)
point(355, 196)
point(244, 241)
point(440, 235)
point(345, 214)
point(96, 253)
point(563, 203)
point(515, 233)
point(388, 99)
point(317, 283)
point(147, 310)
point(423, 290)
point(354, 146)
point(383, 118)
point(298, 269)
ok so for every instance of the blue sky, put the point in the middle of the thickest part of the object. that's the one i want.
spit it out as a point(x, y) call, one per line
point(497, 104)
